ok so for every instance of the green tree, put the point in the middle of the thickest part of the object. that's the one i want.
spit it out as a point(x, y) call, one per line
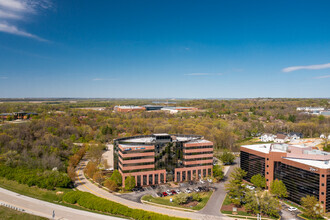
point(97, 177)
point(129, 183)
point(181, 198)
point(278, 188)
point(312, 207)
point(116, 177)
point(258, 180)
point(262, 202)
point(218, 172)
point(235, 186)
point(292, 118)
point(227, 157)
point(111, 185)
point(196, 197)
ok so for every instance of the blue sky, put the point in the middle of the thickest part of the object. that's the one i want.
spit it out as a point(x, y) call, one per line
point(161, 49)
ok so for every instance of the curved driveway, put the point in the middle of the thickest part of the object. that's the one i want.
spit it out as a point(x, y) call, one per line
point(210, 212)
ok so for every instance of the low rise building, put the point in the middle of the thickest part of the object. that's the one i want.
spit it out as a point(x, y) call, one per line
point(303, 170)
point(160, 158)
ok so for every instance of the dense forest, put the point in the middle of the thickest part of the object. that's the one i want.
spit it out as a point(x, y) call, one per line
point(46, 142)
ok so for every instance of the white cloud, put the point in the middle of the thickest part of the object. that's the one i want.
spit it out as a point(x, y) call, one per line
point(203, 74)
point(322, 77)
point(310, 67)
point(20, 10)
point(13, 30)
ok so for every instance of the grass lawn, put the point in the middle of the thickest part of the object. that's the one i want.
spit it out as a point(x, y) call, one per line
point(7, 213)
point(226, 201)
point(166, 200)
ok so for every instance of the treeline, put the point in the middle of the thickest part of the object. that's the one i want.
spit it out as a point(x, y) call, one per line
point(35, 177)
point(89, 201)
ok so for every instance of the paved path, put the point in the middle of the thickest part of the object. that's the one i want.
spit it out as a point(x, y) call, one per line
point(215, 202)
point(45, 209)
point(84, 185)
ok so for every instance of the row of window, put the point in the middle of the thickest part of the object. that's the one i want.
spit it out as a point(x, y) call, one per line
point(189, 175)
point(198, 165)
point(203, 158)
point(135, 158)
point(135, 151)
point(198, 147)
point(198, 153)
point(142, 180)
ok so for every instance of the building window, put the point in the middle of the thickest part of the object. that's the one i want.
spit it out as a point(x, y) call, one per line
point(322, 175)
point(267, 180)
point(156, 178)
point(267, 165)
point(144, 180)
point(162, 178)
point(322, 184)
point(150, 179)
point(322, 202)
point(178, 177)
point(267, 173)
point(267, 158)
point(322, 193)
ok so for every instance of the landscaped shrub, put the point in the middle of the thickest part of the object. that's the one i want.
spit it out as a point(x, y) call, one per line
point(93, 202)
point(36, 177)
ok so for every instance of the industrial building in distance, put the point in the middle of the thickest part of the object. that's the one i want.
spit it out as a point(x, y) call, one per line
point(303, 170)
point(171, 109)
point(160, 158)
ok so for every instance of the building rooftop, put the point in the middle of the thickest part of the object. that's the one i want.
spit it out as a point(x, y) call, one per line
point(315, 163)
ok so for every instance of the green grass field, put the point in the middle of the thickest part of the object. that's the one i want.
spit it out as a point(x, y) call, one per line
point(10, 214)
point(166, 200)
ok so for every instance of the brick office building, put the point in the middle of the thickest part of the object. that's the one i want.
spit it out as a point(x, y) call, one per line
point(303, 170)
point(159, 158)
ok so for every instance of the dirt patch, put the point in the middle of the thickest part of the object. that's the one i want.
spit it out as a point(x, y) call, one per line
point(230, 208)
point(190, 204)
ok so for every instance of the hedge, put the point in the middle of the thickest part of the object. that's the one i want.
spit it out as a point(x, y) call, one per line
point(93, 202)
point(36, 177)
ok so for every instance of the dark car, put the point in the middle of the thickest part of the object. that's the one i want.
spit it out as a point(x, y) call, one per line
point(191, 183)
point(154, 186)
point(160, 195)
point(164, 194)
point(173, 192)
point(135, 189)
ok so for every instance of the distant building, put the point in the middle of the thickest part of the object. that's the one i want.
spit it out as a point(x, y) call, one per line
point(295, 136)
point(267, 137)
point(17, 115)
point(129, 108)
point(281, 138)
point(310, 109)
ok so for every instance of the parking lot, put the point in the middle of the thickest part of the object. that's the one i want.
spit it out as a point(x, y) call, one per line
point(158, 190)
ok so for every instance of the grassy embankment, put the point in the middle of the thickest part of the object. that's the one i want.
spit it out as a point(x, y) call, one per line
point(166, 201)
point(7, 213)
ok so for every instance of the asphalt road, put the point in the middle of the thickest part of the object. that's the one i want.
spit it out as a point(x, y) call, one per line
point(45, 209)
point(215, 202)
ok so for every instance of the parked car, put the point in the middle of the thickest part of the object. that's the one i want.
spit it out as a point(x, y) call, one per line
point(178, 191)
point(250, 187)
point(173, 192)
point(154, 186)
point(210, 180)
point(191, 183)
point(169, 192)
point(196, 189)
point(160, 195)
point(164, 194)
point(292, 209)
point(201, 181)
point(188, 190)
point(135, 189)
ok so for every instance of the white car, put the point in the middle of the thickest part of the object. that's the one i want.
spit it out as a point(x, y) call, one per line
point(196, 189)
point(168, 192)
point(292, 209)
point(210, 180)
point(201, 181)
point(188, 191)
point(250, 187)
point(178, 191)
